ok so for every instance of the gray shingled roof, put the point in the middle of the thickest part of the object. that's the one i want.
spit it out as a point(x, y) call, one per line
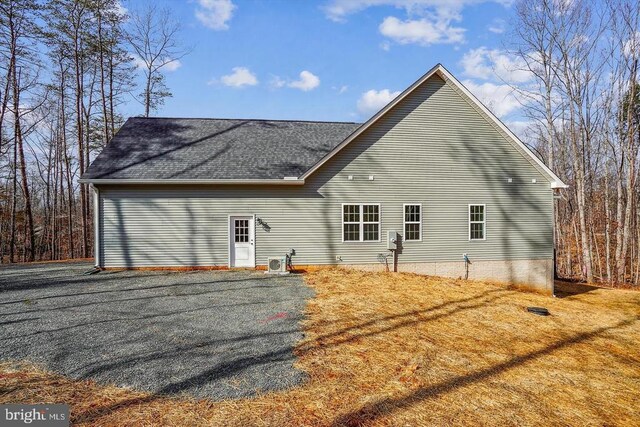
point(202, 149)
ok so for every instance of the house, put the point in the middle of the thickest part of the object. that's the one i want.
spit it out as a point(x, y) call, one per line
point(434, 165)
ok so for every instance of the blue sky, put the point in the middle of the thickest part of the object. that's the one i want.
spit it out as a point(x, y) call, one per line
point(330, 60)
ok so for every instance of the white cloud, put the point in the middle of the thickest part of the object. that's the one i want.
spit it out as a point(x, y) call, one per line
point(138, 62)
point(307, 81)
point(120, 9)
point(426, 22)
point(385, 45)
point(277, 82)
point(338, 10)
point(487, 64)
point(373, 100)
point(520, 127)
point(172, 66)
point(240, 77)
point(497, 26)
point(475, 64)
point(343, 89)
point(506, 82)
point(421, 31)
point(215, 14)
point(501, 99)
point(169, 66)
point(631, 47)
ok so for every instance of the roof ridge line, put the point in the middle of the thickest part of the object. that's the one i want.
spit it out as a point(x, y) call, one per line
point(250, 120)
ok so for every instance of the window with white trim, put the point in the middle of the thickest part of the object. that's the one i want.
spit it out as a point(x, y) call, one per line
point(412, 222)
point(477, 222)
point(361, 223)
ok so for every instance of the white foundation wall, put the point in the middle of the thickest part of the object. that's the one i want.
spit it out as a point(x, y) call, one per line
point(536, 274)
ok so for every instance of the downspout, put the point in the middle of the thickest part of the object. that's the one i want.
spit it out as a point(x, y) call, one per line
point(96, 227)
point(554, 231)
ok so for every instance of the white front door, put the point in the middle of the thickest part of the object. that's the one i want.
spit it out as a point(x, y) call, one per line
point(241, 241)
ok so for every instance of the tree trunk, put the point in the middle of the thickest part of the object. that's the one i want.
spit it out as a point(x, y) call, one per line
point(105, 121)
point(631, 155)
point(111, 96)
point(29, 234)
point(14, 206)
point(607, 224)
point(147, 95)
point(67, 161)
point(80, 131)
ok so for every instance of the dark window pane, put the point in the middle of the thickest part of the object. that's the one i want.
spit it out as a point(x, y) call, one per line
point(477, 231)
point(476, 213)
point(351, 232)
point(241, 230)
point(351, 213)
point(371, 213)
point(371, 232)
point(412, 231)
point(412, 213)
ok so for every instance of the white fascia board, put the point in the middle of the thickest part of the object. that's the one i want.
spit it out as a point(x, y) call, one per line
point(297, 181)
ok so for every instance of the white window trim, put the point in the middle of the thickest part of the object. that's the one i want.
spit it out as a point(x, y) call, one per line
point(405, 222)
point(484, 222)
point(361, 222)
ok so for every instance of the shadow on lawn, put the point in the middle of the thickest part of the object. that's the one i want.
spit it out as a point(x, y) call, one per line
point(332, 339)
point(404, 319)
point(567, 288)
point(386, 406)
point(383, 407)
point(343, 336)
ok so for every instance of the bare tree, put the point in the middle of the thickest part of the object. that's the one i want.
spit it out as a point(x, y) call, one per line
point(154, 39)
point(583, 60)
point(44, 211)
point(625, 25)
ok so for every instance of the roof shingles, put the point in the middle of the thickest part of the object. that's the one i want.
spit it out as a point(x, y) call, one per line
point(215, 149)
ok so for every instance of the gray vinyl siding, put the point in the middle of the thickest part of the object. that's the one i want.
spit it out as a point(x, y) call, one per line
point(434, 148)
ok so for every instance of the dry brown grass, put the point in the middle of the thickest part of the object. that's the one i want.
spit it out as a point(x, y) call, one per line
point(401, 349)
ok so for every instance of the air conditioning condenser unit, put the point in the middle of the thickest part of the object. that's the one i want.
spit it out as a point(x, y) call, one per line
point(277, 265)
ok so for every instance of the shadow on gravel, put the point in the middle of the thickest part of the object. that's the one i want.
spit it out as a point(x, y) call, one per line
point(211, 334)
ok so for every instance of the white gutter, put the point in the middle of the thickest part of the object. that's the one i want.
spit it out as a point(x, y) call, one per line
point(286, 181)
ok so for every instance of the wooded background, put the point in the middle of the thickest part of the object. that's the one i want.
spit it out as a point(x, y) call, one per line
point(68, 66)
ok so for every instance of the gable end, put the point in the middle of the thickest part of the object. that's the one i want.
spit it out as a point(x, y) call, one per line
point(510, 137)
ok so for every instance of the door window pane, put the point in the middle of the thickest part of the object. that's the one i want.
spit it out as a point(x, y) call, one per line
point(241, 230)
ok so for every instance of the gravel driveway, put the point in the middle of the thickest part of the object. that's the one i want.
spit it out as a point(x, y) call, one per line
point(211, 334)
